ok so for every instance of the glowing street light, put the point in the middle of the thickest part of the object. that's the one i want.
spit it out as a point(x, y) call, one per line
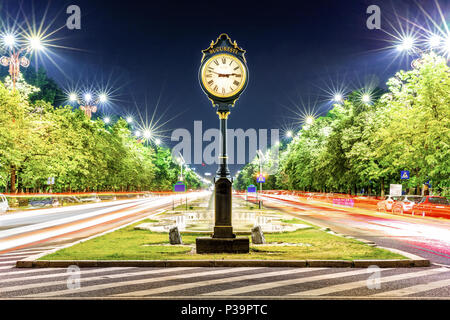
point(406, 44)
point(35, 43)
point(289, 134)
point(158, 142)
point(129, 119)
point(309, 120)
point(73, 97)
point(9, 40)
point(17, 58)
point(137, 133)
point(102, 98)
point(366, 98)
point(147, 134)
point(338, 98)
point(88, 103)
point(107, 120)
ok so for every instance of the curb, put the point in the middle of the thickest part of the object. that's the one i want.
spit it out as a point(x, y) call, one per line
point(32, 263)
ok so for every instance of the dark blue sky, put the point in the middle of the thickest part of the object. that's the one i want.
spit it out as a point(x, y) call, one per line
point(148, 50)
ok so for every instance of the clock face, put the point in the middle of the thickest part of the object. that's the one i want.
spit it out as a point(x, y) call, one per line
point(223, 75)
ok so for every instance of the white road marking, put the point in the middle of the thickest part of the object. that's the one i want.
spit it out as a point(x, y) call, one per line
point(61, 274)
point(363, 283)
point(8, 262)
point(20, 272)
point(211, 282)
point(21, 253)
point(282, 283)
point(61, 282)
point(414, 289)
point(7, 267)
point(135, 282)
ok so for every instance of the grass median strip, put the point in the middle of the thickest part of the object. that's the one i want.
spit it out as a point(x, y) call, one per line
point(305, 244)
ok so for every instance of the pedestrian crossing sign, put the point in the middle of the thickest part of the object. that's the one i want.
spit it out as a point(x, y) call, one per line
point(404, 174)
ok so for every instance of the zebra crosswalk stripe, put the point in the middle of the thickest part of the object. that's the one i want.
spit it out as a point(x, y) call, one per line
point(363, 283)
point(20, 253)
point(282, 283)
point(61, 274)
point(178, 287)
point(15, 258)
point(13, 262)
point(414, 289)
point(135, 282)
point(62, 282)
point(21, 271)
point(7, 267)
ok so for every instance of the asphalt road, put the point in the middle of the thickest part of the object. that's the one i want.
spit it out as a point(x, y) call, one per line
point(422, 236)
point(61, 225)
point(239, 283)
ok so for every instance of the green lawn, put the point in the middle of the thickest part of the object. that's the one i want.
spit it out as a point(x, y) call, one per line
point(130, 244)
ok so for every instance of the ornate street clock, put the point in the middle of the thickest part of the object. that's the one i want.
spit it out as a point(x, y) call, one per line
point(223, 72)
point(223, 77)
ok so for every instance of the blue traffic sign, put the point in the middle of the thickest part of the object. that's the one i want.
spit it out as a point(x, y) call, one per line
point(261, 179)
point(404, 174)
point(179, 187)
point(251, 188)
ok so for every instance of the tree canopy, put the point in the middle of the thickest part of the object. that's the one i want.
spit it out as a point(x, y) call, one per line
point(359, 146)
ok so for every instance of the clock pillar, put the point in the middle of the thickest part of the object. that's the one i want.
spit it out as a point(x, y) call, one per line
point(223, 240)
point(223, 195)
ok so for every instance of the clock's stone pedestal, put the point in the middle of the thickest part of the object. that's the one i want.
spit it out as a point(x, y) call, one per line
point(222, 245)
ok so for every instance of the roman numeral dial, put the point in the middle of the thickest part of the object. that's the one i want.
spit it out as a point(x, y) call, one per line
point(223, 75)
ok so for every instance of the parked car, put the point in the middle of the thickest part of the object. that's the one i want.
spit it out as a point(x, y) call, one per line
point(386, 204)
point(44, 202)
point(3, 204)
point(432, 206)
point(405, 204)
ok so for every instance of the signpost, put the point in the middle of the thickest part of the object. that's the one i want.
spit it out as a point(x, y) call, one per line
point(261, 179)
point(181, 188)
point(251, 189)
point(223, 76)
point(50, 182)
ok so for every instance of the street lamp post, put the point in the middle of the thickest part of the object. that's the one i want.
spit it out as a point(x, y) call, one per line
point(17, 58)
point(181, 161)
point(261, 159)
point(87, 103)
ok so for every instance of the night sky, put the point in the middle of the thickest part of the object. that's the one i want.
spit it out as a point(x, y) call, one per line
point(147, 51)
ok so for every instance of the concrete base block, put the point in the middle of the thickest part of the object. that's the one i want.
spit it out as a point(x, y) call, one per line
point(223, 245)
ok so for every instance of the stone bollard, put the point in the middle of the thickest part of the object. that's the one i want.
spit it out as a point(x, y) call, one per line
point(258, 235)
point(175, 236)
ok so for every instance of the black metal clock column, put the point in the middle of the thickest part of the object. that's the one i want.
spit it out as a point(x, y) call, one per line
point(223, 77)
point(223, 226)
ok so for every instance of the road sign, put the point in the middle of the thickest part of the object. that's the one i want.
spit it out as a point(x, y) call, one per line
point(251, 188)
point(261, 179)
point(395, 190)
point(404, 174)
point(179, 187)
